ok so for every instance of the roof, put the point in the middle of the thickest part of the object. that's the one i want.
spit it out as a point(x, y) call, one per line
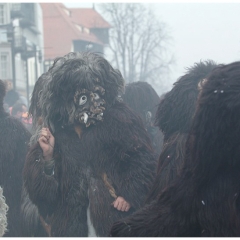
point(88, 17)
point(60, 28)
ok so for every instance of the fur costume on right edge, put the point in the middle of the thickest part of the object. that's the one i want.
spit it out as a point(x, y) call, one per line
point(205, 199)
point(174, 117)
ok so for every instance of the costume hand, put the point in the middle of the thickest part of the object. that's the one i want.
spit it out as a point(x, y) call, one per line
point(121, 204)
point(46, 142)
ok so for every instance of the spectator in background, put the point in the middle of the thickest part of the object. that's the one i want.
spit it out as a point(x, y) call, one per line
point(11, 96)
point(23, 100)
point(144, 100)
point(19, 110)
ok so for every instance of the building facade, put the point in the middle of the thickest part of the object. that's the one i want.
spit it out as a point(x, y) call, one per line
point(21, 45)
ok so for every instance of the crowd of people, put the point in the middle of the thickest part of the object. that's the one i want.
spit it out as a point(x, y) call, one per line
point(96, 157)
point(16, 105)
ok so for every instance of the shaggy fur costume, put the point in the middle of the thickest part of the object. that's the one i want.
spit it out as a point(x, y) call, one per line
point(174, 116)
point(14, 139)
point(143, 99)
point(205, 200)
point(101, 151)
point(32, 226)
point(3, 213)
point(34, 109)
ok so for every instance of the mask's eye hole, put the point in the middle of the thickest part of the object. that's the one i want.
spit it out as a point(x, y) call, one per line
point(82, 100)
point(96, 96)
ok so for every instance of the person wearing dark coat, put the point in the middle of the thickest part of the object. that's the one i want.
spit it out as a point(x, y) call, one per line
point(204, 201)
point(11, 96)
point(93, 163)
point(144, 100)
point(14, 139)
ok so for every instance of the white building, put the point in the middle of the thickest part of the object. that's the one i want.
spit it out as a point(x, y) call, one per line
point(21, 30)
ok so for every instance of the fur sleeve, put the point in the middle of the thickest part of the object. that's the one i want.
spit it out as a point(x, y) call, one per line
point(30, 223)
point(42, 189)
point(134, 177)
point(183, 102)
point(162, 218)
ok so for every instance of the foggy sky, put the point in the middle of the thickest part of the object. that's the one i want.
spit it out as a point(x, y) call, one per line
point(199, 31)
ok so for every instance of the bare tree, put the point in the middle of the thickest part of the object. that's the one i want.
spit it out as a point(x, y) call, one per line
point(138, 41)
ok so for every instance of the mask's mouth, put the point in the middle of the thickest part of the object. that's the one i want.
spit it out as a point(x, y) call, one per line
point(84, 118)
point(89, 118)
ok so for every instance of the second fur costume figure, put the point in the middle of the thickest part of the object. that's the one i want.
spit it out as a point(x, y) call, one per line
point(204, 200)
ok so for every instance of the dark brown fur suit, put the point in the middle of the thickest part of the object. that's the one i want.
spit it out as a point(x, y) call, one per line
point(101, 149)
point(143, 99)
point(174, 117)
point(205, 200)
point(14, 138)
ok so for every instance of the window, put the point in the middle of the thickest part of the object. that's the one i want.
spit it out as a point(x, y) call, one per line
point(2, 14)
point(4, 63)
point(28, 9)
point(3, 35)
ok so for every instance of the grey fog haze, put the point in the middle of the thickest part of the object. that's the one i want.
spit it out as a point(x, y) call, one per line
point(199, 31)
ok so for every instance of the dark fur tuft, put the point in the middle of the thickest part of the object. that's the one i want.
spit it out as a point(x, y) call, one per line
point(35, 109)
point(141, 97)
point(176, 109)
